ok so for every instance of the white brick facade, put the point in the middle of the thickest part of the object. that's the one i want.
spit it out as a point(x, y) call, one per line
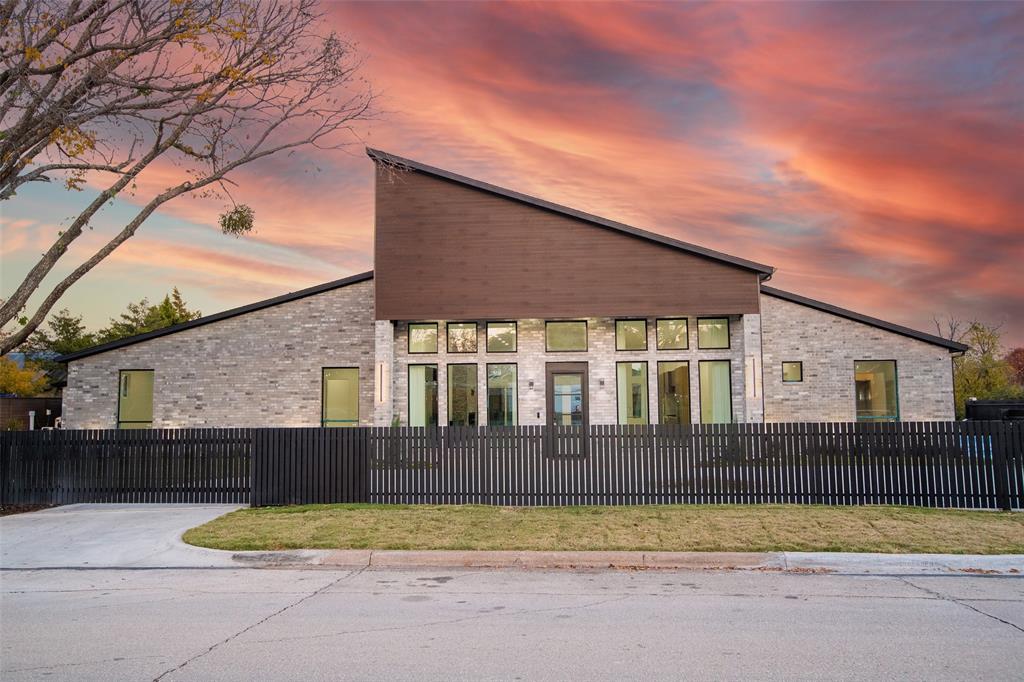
point(828, 346)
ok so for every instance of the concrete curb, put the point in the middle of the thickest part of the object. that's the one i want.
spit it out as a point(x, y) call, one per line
point(794, 562)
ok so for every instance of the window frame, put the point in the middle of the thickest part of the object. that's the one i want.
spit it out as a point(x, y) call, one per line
point(630, 319)
point(408, 391)
point(686, 338)
point(896, 381)
point(117, 414)
point(700, 394)
point(323, 396)
point(586, 336)
point(448, 339)
point(448, 391)
point(800, 364)
point(647, 390)
point(515, 327)
point(487, 386)
point(408, 338)
point(689, 388)
point(728, 333)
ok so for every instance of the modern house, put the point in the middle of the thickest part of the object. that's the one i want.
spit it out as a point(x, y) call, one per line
point(490, 307)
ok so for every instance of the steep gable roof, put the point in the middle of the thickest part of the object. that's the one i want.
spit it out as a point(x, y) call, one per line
point(764, 271)
point(952, 346)
point(217, 317)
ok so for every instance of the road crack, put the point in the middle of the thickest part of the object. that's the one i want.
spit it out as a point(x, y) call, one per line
point(944, 597)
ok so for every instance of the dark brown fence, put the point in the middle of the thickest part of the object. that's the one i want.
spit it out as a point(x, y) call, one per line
point(933, 464)
point(162, 465)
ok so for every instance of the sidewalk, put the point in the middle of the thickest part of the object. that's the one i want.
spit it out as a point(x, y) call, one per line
point(796, 562)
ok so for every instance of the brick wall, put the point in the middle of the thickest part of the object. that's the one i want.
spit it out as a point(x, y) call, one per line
point(828, 346)
point(258, 369)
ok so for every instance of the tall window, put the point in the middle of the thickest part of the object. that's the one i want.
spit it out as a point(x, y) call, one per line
point(566, 336)
point(501, 337)
point(674, 392)
point(340, 397)
point(423, 337)
point(462, 402)
point(713, 332)
point(135, 399)
point(877, 390)
point(502, 395)
point(631, 335)
point(672, 334)
point(461, 337)
point(632, 388)
point(715, 392)
point(422, 395)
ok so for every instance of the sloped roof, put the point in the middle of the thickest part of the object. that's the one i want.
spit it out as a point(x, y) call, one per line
point(764, 271)
point(217, 317)
point(952, 346)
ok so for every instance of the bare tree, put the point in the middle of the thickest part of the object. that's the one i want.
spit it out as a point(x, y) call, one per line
point(93, 92)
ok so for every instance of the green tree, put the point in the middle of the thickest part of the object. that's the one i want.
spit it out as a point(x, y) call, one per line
point(22, 382)
point(1016, 359)
point(982, 372)
point(143, 317)
point(64, 333)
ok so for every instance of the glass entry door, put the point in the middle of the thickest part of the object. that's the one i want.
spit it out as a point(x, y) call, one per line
point(567, 394)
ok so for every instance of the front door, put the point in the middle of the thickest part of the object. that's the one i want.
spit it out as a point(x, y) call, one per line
point(567, 394)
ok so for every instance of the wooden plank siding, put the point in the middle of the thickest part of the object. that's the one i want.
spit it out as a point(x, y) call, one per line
point(443, 250)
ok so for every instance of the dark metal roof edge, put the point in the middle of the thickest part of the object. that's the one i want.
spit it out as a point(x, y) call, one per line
point(377, 155)
point(953, 346)
point(217, 317)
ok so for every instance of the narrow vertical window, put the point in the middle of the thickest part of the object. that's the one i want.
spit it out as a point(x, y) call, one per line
point(674, 392)
point(632, 389)
point(715, 392)
point(422, 395)
point(502, 395)
point(423, 337)
point(713, 332)
point(461, 337)
point(631, 335)
point(462, 395)
point(877, 390)
point(501, 337)
point(135, 399)
point(672, 334)
point(340, 397)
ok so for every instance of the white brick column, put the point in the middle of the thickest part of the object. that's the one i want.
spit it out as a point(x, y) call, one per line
point(383, 372)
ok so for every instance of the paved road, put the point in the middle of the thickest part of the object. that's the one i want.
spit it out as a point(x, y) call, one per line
point(84, 595)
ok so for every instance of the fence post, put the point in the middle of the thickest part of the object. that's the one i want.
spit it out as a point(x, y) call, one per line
point(997, 439)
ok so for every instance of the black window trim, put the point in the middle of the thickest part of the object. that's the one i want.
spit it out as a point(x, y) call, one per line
point(896, 377)
point(448, 387)
point(671, 319)
point(728, 332)
point(792, 362)
point(117, 414)
point(448, 338)
point(323, 393)
point(631, 319)
point(408, 391)
point(515, 326)
point(700, 393)
point(586, 327)
point(408, 337)
point(647, 389)
point(689, 388)
point(487, 386)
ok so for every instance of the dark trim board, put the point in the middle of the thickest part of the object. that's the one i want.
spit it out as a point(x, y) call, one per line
point(953, 346)
point(217, 317)
point(764, 271)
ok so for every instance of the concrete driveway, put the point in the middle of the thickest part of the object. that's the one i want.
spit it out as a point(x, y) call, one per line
point(109, 536)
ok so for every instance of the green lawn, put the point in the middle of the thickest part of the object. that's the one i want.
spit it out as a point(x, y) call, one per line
point(654, 528)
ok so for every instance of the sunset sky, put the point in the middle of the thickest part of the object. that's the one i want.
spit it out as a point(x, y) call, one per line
point(873, 153)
